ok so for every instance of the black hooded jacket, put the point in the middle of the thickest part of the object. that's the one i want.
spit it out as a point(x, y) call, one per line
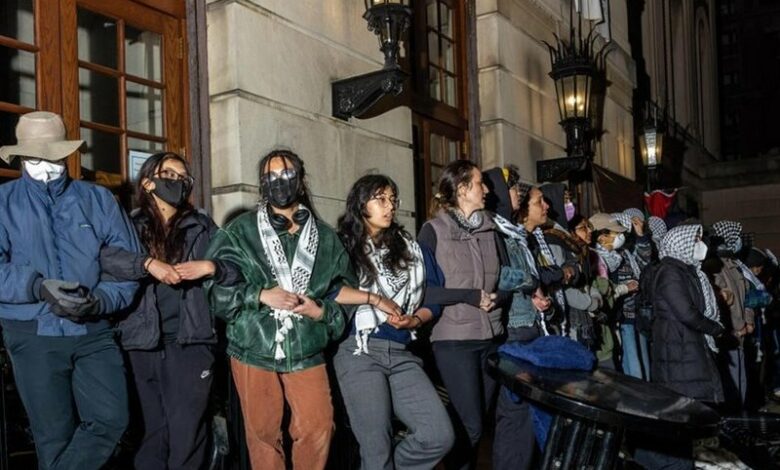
point(553, 195)
point(497, 200)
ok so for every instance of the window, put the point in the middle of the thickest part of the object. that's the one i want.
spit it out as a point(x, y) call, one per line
point(114, 69)
point(438, 98)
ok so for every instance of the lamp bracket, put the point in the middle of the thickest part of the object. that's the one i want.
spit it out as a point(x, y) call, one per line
point(558, 169)
point(354, 96)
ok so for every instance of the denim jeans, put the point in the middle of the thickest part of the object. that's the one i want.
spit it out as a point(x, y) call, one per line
point(389, 380)
point(636, 360)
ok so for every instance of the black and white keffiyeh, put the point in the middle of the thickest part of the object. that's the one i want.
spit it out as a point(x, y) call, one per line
point(657, 229)
point(293, 278)
point(729, 231)
point(634, 212)
point(517, 232)
point(405, 288)
point(472, 223)
point(549, 260)
point(623, 219)
point(611, 258)
point(679, 243)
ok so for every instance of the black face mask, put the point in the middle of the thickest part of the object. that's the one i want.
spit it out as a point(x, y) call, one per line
point(281, 192)
point(173, 192)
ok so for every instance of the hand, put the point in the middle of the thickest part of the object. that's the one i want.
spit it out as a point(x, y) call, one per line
point(387, 305)
point(727, 295)
point(541, 302)
point(308, 308)
point(164, 272)
point(639, 225)
point(404, 322)
point(633, 285)
point(487, 301)
point(192, 270)
point(81, 312)
point(62, 293)
point(568, 274)
point(279, 298)
point(749, 328)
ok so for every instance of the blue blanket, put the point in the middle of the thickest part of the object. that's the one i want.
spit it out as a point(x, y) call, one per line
point(554, 352)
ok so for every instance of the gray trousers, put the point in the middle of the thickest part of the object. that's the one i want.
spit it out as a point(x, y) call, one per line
point(390, 380)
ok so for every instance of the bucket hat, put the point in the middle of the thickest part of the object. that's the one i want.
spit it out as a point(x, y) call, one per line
point(40, 134)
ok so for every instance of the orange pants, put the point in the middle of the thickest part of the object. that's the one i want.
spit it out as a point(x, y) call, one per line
point(263, 393)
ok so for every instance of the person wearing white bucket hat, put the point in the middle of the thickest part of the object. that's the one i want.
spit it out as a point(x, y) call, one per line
point(53, 305)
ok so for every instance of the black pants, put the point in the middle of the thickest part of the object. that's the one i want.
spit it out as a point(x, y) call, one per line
point(173, 386)
point(463, 369)
point(513, 443)
point(74, 391)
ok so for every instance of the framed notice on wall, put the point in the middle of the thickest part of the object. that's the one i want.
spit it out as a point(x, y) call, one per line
point(135, 160)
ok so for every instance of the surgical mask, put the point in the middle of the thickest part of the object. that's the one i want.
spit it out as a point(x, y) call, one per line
point(619, 240)
point(44, 171)
point(570, 209)
point(699, 251)
point(280, 189)
point(174, 192)
point(738, 245)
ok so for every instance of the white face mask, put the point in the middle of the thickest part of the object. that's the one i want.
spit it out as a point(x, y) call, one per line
point(43, 170)
point(619, 240)
point(699, 251)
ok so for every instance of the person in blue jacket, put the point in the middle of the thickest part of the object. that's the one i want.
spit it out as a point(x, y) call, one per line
point(53, 305)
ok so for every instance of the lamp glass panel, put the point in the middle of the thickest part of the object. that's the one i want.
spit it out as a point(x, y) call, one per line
point(583, 94)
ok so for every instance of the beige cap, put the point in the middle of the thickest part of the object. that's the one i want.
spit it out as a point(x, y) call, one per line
point(602, 221)
point(40, 134)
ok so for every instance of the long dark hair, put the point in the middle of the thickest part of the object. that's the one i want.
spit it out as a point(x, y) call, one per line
point(452, 177)
point(354, 234)
point(164, 241)
point(304, 195)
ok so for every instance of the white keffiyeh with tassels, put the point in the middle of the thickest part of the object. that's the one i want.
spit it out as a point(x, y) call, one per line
point(405, 288)
point(293, 278)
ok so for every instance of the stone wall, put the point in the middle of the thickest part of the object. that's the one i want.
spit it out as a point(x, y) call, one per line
point(271, 63)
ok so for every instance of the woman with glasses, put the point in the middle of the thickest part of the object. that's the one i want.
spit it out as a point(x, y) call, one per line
point(169, 333)
point(377, 374)
point(283, 315)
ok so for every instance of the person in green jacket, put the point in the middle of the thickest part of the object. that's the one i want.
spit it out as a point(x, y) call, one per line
point(281, 318)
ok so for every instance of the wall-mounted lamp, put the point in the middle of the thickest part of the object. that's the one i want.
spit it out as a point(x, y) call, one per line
point(354, 96)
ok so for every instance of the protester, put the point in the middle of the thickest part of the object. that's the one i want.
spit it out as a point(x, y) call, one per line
point(169, 333)
point(684, 331)
point(513, 441)
point(282, 315)
point(377, 374)
point(469, 253)
point(732, 288)
point(54, 306)
point(584, 298)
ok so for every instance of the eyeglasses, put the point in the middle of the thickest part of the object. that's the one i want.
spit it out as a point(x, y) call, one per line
point(169, 174)
point(588, 228)
point(286, 174)
point(386, 201)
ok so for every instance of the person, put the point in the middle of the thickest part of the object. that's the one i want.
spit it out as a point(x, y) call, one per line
point(283, 315)
point(636, 253)
point(609, 235)
point(378, 376)
point(732, 287)
point(169, 332)
point(684, 331)
point(584, 299)
point(54, 307)
point(513, 441)
point(658, 230)
point(469, 254)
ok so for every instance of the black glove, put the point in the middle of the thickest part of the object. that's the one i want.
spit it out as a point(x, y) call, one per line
point(69, 299)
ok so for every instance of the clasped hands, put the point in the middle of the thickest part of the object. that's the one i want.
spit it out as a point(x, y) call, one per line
point(69, 299)
point(278, 298)
point(174, 274)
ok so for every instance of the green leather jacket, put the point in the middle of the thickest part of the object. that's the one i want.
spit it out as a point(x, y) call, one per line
point(250, 327)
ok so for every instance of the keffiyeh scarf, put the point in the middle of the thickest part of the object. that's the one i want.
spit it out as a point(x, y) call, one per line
point(293, 278)
point(729, 231)
point(472, 223)
point(611, 258)
point(405, 288)
point(549, 260)
point(657, 229)
point(517, 232)
point(678, 244)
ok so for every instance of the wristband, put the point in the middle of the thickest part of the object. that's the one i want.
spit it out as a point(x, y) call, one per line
point(148, 263)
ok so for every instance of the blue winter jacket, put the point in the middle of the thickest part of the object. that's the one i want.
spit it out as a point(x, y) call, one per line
point(55, 231)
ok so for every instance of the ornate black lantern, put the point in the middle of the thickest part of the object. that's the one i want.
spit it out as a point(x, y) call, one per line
point(354, 96)
point(575, 67)
point(651, 145)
